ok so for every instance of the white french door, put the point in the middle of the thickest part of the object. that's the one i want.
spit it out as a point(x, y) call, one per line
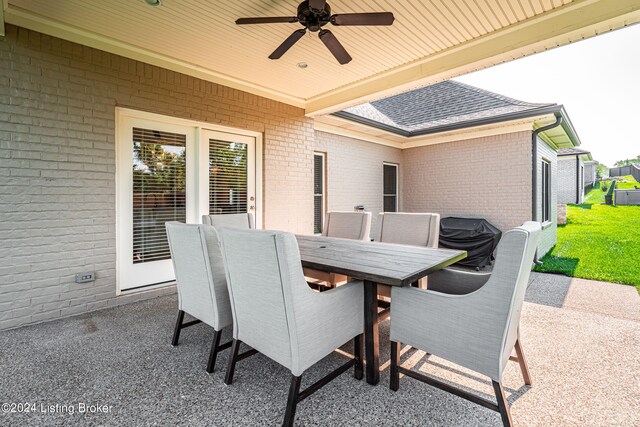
point(175, 170)
point(227, 173)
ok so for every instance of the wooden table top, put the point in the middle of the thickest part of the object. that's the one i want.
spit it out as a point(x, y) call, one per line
point(386, 263)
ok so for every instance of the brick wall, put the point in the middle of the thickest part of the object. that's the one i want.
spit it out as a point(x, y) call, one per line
point(57, 157)
point(354, 173)
point(567, 179)
point(487, 177)
point(589, 174)
point(549, 234)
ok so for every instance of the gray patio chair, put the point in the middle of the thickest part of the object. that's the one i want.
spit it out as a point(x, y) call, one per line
point(345, 225)
point(201, 282)
point(276, 313)
point(478, 330)
point(416, 229)
point(457, 282)
point(241, 220)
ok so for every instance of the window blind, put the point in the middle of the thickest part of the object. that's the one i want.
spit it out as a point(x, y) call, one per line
point(227, 177)
point(318, 192)
point(159, 185)
point(390, 188)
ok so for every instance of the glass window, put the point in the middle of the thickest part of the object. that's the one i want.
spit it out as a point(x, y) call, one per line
point(159, 185)
point(227, 177)
point(546, 191)
point(390, 188)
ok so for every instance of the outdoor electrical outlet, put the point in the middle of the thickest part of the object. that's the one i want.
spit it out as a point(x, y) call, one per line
point(89, 276)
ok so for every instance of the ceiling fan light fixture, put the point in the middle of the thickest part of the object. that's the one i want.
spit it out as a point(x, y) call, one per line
point(313, 15)
point(154, 3)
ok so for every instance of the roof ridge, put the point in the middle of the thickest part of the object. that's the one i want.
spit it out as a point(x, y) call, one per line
point(500, 96)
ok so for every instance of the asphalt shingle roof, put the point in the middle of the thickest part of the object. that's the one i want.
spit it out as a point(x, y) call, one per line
point(440, 104)
point(572, 151)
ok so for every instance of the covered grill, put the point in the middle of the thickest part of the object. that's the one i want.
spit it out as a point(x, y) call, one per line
point(475, 235)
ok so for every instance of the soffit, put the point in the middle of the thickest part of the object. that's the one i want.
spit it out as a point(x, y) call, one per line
point(200, 38)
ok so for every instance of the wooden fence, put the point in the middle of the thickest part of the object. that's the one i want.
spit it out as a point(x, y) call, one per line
point(626, 170)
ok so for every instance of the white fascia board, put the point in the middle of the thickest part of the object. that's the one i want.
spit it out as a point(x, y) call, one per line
point(571, 22)
point(438, 138)
point(470, 133)
point(336, 130)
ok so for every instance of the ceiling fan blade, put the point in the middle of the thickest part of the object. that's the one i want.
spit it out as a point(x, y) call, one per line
point(317, 4)
point(286, 45)
point(267, 20)
point(375, 18)
point(334, 46)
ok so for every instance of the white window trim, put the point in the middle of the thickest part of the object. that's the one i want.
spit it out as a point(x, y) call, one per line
point(122, 157)
point(542, 192)
point(395, 165)
point(324, 188)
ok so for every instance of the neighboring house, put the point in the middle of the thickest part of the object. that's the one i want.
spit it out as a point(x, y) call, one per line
point(573, 165)
point(461, 151)
point(590, 169)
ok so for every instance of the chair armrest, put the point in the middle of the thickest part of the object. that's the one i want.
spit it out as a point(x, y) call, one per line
point(342, 306)
point(327, 321)
point(456, 282)
point(460, 328)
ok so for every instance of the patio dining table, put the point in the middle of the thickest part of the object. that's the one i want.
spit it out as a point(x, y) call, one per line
point(374, 262)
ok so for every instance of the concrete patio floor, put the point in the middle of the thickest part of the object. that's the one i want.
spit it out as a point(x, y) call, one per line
point(580, 337)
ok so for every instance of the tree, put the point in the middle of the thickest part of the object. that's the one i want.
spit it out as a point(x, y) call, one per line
point(601, 171)
point(627, 162)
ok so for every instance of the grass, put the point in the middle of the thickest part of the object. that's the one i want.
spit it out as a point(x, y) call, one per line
point(596, 195)
point(599, 242)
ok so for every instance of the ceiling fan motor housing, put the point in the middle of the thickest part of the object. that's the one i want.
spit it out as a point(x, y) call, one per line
point(313, 19)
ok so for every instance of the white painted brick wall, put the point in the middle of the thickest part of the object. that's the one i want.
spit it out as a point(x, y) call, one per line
point(566, 179)
point(549, 235)
point(355, 173)
point(57, 165)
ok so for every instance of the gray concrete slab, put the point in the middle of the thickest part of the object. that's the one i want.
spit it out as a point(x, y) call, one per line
point(611, 299)
point(584, 366)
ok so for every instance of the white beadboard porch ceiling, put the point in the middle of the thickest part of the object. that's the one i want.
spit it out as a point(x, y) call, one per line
point(202, 36)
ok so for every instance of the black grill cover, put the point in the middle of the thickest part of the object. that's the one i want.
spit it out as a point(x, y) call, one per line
point(476, 236)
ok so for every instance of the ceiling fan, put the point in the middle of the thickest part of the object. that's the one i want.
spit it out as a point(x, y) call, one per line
point(315, 14)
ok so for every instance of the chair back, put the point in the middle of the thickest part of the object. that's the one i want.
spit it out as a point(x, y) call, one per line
point(416, 229)
point(265, 291)
point(242, 220)
point(348, 225)
point(503, 294)
point(200, 276)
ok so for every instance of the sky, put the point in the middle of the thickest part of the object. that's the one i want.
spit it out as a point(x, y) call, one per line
point(597, 80)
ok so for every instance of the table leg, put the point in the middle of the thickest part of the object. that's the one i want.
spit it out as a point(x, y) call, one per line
point(371, 336)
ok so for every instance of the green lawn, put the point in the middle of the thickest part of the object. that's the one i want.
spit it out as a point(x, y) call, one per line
point(596, 195)
point(598, 242)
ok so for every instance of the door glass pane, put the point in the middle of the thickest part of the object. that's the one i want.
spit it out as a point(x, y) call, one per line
point(159, 184)
point(227, 177)
point(318, 196)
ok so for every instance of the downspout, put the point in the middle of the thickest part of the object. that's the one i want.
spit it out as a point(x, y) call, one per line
point(577, 179)
point(534, 171)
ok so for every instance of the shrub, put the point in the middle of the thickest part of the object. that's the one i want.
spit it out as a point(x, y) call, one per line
point(604, 186)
